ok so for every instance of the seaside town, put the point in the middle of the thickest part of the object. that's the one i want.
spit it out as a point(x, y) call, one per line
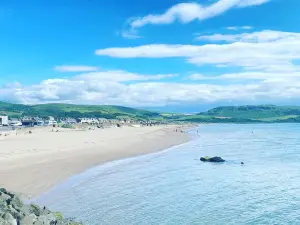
point(10, 123)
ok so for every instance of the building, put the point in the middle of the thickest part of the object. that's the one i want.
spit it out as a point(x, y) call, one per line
point(3, 120)
point(27, 121)
point(68, 121)
point(15, 122)
point(89, 121)
point(38, 121)
point(103, 120)
point(51, 121)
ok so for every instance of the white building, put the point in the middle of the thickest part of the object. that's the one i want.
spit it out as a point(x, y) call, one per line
point(51, 121)
point(15, 122)
point(4, 120)
point(89, 121)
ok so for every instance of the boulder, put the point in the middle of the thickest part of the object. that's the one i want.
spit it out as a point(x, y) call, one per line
point(14, 212)
point(212, 159)
point(9, 219)
point(4, 197)
point(16, 202)
point(28, 220)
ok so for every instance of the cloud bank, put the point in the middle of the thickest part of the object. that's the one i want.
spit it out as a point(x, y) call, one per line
point(188, 12)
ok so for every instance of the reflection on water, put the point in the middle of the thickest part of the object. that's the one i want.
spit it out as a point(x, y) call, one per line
point(174, 187)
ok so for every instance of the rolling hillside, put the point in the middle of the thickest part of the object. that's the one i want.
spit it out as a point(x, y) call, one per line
point(254, 111)
point(75, 111)
point(247, 114)
point(226, 114)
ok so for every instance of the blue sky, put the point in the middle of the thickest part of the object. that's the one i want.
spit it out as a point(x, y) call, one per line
point(171, 54)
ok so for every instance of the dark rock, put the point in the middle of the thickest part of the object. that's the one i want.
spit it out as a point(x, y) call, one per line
point(212, 159)
point(3, 190)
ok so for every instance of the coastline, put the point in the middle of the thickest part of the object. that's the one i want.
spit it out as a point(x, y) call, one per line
point(31, 164)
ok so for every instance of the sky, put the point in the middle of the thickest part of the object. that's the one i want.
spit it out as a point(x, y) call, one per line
point(174, 55)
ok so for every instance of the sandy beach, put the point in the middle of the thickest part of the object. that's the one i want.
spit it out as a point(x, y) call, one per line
point(32, 163)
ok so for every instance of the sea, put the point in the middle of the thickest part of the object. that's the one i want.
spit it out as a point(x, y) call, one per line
point(174, 187)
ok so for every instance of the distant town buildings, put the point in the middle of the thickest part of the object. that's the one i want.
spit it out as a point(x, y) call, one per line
point(50, 121)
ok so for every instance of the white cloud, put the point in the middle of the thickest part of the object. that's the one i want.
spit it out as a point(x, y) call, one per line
point(187, 12)
point(106, 87)
point(120, 76)
point(255, 75)
point(263, 50)
point(91, 90)
point(267, 61)
point(246, 3)
point(240, 28)
point(260, 36)
point(130, 35)
point(75, 68)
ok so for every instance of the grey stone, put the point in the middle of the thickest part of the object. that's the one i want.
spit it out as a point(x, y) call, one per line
point(28, 220)
point(8, 219)
point(3, 190)
point(42, 220)
point(51, 217)
point(45, 211)
point(15, 213)
point(7, 216)
point(12, 222)
point(4, 197)
point(3, 206)
point(35, 209)
point(16, 202)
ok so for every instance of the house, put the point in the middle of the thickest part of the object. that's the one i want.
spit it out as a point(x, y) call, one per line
point(103, 120)
point(68, 121)
point(88, 121)
point(15, 122)
point(3, 120)
point(51, 121)
point(27, 121)
point(38, 121)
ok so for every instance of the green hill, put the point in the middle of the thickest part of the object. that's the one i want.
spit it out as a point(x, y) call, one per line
point(247, 114)
point(254, 111)
point(226, 114)
point(75, 111)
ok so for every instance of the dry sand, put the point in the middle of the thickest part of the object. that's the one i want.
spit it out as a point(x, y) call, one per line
point(32, 163)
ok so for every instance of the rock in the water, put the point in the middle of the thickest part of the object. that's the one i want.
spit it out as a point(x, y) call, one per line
point(212, 159)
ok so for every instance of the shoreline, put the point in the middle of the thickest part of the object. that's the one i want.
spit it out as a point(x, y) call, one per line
point(31, 164)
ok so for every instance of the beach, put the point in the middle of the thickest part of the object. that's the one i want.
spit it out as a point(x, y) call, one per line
point(33, 162)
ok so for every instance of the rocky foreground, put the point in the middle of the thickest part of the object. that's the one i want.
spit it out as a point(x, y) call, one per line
point(14, 212)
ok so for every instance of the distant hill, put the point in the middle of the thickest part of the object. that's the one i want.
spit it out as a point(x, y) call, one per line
point(254, 111)
point(58, 110)
point(247, 114)
point(226, 114)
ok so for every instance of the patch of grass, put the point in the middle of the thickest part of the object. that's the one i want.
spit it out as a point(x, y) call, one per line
point(69, 126)
point(58, 216)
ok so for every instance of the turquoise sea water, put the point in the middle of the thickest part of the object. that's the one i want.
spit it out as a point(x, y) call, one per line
point(174, 187)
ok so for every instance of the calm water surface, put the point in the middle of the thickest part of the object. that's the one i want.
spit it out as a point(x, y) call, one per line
point(174, 187)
